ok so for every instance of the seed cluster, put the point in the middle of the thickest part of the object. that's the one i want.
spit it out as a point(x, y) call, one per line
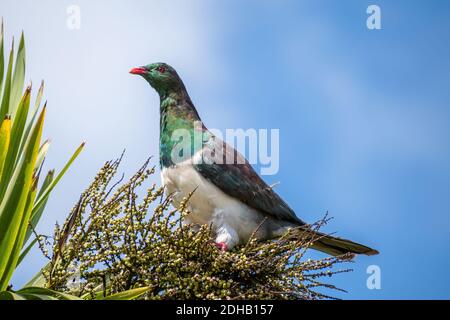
point(112, 242)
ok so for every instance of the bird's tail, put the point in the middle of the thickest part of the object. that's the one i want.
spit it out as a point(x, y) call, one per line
point(333, 245)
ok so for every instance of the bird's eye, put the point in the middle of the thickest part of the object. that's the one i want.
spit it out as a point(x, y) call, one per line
point(161, 69)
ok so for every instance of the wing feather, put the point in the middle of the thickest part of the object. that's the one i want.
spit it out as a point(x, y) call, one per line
point(227, 169)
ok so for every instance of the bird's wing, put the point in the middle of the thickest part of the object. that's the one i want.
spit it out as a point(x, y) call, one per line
point(238, 179)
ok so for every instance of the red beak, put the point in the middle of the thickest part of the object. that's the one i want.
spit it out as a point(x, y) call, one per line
point(139, 70)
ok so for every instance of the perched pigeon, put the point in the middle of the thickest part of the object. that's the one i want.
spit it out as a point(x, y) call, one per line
point(230, 197)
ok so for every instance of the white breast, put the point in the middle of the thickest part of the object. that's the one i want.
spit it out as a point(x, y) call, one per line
point(233, 220)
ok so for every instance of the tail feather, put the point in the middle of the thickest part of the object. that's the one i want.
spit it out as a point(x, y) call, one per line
point(336, 246)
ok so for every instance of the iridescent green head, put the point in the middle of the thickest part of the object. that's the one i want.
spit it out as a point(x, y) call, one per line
point(162, 77)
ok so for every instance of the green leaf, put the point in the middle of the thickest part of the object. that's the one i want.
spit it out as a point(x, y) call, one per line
point(18, 125)
point(5, 136)
point(13, 203)
point(42, 153)
point(18, 243)
point(18, 295)
point(43, 197)
point(47, 292)
point(18, 77)
point(9, 295)
point(33, 113)
point(29, 296)
point(38, 100)
point(4, 107)
point(2, 57)
point(127, 295)
point(38, 213)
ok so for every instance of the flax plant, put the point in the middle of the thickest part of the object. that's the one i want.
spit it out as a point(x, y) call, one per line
point(22, 153)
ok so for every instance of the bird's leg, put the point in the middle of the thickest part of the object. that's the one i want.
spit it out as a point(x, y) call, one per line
point(226, 237)
point(222, 246)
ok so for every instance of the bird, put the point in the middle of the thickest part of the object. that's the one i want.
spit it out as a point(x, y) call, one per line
point(227, 195)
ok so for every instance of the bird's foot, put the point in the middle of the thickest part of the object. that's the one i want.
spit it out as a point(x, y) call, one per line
point(222, 246)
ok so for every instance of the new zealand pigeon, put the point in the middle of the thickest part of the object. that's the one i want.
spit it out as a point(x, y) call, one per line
point(228, 195)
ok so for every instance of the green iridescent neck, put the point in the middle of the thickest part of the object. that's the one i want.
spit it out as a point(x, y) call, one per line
point(178, 119)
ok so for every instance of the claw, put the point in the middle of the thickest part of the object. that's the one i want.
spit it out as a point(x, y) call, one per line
point(222, 246)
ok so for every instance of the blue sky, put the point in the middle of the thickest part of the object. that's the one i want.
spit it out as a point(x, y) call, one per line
point(364, 116)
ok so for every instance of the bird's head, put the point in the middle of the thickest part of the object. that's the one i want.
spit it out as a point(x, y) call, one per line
point(162, 77)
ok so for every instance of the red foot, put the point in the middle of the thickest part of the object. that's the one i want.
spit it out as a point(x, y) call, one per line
point(222, 246)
